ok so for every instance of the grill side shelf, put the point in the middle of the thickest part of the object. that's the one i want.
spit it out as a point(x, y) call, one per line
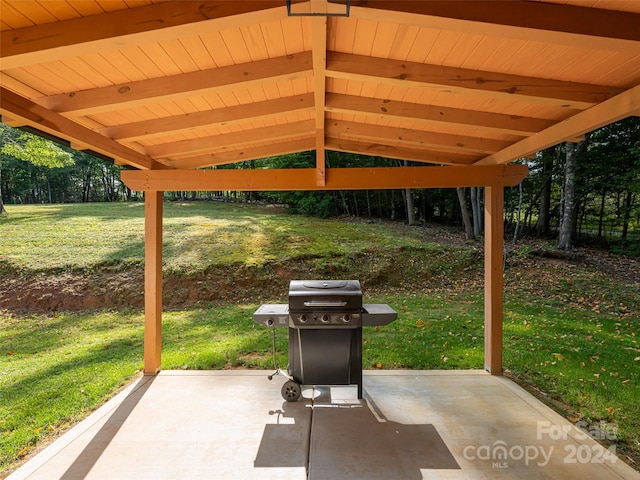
point(272, 315)
point(377, 314)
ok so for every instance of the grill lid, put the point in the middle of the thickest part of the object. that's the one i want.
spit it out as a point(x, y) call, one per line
point(307, 295)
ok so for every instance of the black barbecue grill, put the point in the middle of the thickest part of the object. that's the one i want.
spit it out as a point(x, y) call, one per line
point(325, 320)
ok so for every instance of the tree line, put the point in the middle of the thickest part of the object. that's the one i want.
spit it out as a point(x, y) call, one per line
point(574, 190)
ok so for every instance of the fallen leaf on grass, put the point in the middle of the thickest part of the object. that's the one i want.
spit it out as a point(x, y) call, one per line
point(23, 452)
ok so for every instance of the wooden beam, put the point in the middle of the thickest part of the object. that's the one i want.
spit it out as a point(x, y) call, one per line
point(245, 153)
point(389, 108)
point(53, 123)
point(223, 116)
point(130, 27)
point(321, 167)
point(152, 281)
point(493, 281)
point(405, 137)
point(471, 82)
point(337, 178)
point(13, 122)
point(378, 149)
point(319, 52)
point(612, 110)
point(231, 141)
point(583, 27)
point(164, 89)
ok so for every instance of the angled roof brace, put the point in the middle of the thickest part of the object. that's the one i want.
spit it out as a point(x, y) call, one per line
point(344, 3)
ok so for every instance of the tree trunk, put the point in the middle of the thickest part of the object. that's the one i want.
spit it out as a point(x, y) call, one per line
point(544, 219)
point(368, 204)
point(476, 210)
point(601, 216)
point(468, 228)
point(428, 205)
point(569, 216)
point(393, 205)
point(2, 209)
point(625, 219)
point(409, 202)
point(517, 229)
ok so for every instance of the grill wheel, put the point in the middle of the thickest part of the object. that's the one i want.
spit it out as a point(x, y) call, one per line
point(291, 391)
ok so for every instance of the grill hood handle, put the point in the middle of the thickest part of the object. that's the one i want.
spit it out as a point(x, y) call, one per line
point(325, 303)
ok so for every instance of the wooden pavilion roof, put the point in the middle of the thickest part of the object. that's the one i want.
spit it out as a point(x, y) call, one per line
point(185, 85)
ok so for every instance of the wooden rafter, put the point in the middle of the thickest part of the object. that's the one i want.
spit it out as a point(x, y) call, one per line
point(133, 26)
point(224, 116)
point(243, 154)
point(337, 178)
point(405, 137)
point(534, 21)
point(379, 149)
point(485, 120)
point(231, 141)
point(617, 108)
point(164, 89)
point(453, 80)
point(55, 124)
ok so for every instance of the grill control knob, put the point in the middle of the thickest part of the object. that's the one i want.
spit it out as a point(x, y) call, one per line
point(270, 322)
point(303, 319)
point(346, 318)
point(324, 319)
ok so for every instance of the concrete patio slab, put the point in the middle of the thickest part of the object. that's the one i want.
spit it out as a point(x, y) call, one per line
point(409, 425)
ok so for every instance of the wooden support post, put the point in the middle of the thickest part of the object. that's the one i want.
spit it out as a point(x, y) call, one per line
point(321, 174)
point(152, 281)
point(493, 280)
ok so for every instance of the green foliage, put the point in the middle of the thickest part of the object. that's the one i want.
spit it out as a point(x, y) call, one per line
point(317, 204)
point(36, 170)
point(37, 151)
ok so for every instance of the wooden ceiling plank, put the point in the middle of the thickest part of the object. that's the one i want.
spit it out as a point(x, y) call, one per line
point(621, 106)
point(416, 138)
point(223, 116)
point(212, 143)
point(224, 79)
point(534, 21)
point(135, 26)
point(337, 178)
point(245, 154)
point(373, 106)
point(18, 107)
point(378, 149)
point(459, 80)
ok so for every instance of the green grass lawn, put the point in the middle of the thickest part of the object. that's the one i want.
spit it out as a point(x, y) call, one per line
point(196, 235)
point(570, 332)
